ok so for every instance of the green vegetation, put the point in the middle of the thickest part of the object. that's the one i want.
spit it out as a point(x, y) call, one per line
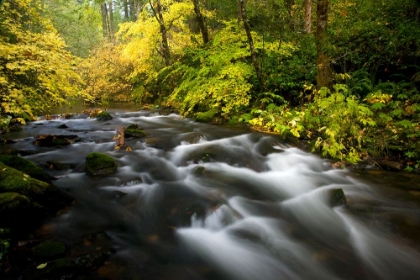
point(133, 130)
point(98, 164)
point(49, 248)
point(344, 76)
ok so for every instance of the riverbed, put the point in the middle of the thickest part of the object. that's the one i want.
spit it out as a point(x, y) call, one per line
point(201, 201)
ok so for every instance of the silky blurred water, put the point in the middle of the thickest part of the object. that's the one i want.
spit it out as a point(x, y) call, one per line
point(199, 201)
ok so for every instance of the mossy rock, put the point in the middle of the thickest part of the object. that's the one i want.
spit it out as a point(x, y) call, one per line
point(98, 164)
point(49, 249)
point(337, 197)
point(13, 208)
point(208, 116)
point(25, 166)
point(42, 194)
point(133, 130)
point(103, 116)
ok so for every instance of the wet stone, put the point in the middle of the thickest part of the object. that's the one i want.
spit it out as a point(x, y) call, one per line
point(337, 197)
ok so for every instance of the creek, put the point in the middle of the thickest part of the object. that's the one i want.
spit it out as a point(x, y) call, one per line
point(200, 201)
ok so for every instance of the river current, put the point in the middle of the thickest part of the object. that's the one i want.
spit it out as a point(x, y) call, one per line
point(199, 201)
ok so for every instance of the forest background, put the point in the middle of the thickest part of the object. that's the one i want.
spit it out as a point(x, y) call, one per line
point(343, 75)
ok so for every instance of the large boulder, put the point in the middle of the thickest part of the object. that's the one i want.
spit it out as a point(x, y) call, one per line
point(14, 208)
point(25, 166)
point(99, 164)
point(30, 200)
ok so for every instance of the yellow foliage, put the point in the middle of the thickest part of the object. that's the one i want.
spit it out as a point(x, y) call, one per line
point(38, 72)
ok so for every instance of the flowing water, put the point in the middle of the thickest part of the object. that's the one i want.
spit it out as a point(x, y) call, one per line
point(198, 201)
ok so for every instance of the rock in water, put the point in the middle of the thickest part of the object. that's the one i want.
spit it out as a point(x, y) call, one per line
point(337, 197)
point(133, 130)
point(25, 166)
point(99, 164)
point(104, 116)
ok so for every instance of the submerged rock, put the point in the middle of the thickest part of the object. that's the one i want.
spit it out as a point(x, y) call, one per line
point(62, 126)
point(50, 140)
point(99, 164)
point(391, 165)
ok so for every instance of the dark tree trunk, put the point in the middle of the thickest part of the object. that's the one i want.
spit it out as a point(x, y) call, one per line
point(133, 9)
point(201, 23)
point(104, 15)
point(244, 19)
point(308, 18)
point(324, 74)
point(111, 20)
point(126, 15)
point(165, 52)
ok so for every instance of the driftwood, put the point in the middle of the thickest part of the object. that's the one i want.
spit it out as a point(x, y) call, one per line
point(119, 137)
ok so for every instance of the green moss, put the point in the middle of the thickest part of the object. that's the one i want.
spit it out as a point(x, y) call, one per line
point(49, 248)
point(133, 130)
point(103, 116)
point(12, 180)
point(98, 164)
point(206, 116)
point(13, 207)
point(13, 202)
point(25, 166)
point(337, 197)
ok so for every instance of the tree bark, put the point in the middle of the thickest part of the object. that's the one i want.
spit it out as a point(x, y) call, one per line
point(163, 31)
point(244, 19)
point(111, 20)
point(308, 11)
point(324, 74)
point(125, 5)
point(201, 23)
point(104, 15)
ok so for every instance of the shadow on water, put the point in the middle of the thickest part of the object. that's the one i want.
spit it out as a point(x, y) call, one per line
point(197, 201)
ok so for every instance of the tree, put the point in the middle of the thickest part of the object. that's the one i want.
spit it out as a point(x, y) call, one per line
point(324, 73)
point(308, 18)
point(77, 22)
point(242, 9)
point(164, 51)
point(201, 22)
point(36, 71)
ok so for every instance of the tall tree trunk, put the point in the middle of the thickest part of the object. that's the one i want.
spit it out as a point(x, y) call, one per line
point(111, 21)
point(165, 52)
point(324, 75)
point(125, 5)
point(132, 9)
point(308, 18)
point(201, 23)
point(244, 19)
point(104, 15)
